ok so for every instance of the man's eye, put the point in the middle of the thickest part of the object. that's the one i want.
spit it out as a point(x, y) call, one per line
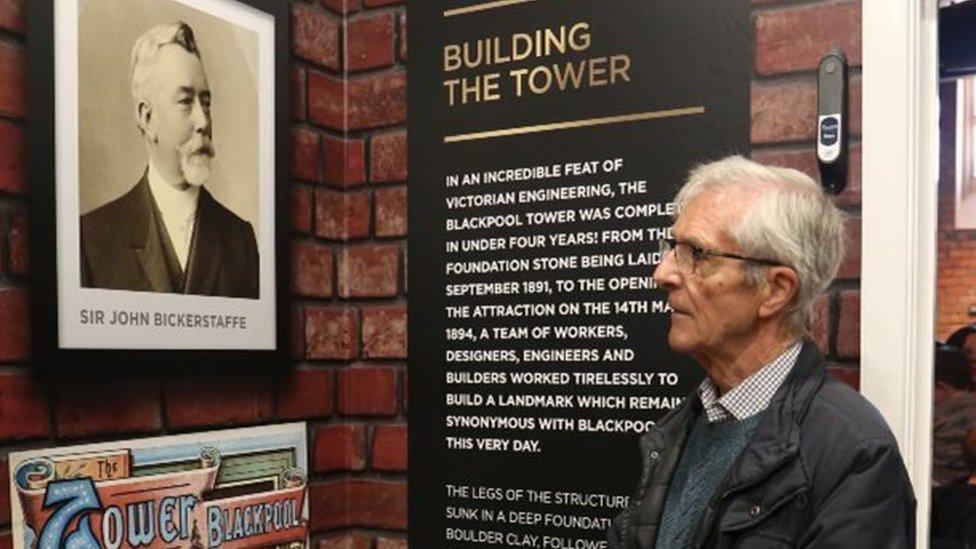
point(186, 101)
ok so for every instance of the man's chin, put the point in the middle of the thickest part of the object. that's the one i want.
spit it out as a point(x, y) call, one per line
point(678, 342)
point(196, 174)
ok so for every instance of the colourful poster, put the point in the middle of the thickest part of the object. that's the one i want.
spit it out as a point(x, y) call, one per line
point(232, 488)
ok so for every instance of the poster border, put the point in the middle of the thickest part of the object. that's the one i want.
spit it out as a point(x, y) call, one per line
point(48, 355)
point(265, 437)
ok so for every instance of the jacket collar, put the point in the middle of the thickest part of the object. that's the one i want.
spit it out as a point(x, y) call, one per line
point(138, 204)
point(777, 438)
point(142, 232)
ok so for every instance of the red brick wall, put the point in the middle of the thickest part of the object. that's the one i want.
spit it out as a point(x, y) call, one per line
point(791, 37)
point(348, 219)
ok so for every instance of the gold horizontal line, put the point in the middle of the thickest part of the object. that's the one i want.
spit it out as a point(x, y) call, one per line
point(582, 123)
point(484, 6)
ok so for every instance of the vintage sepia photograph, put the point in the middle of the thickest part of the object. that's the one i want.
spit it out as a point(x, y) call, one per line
point(168, 186)
point(167, 161)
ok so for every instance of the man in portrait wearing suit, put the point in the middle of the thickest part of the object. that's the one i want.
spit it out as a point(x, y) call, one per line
point(168, 233)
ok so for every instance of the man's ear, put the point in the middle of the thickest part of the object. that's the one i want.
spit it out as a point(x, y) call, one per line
point(781, 286)
point(144, 118)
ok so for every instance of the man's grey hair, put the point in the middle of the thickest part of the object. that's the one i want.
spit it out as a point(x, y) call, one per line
point(146, 49)
point(791, 221)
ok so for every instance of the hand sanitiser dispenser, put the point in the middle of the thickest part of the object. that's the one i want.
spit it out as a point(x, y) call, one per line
point(832, 121)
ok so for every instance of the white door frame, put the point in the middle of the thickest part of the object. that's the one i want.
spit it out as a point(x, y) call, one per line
point(899, 197)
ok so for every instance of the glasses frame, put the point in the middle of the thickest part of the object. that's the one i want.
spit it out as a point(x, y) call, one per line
point(666, 245)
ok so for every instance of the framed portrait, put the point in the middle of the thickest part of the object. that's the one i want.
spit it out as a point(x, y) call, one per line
point(158, 164)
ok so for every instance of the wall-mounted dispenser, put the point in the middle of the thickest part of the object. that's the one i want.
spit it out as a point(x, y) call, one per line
point(832, 121)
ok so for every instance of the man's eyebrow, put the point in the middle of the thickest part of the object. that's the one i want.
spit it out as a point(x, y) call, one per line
point(689, 239)
point(190, 90)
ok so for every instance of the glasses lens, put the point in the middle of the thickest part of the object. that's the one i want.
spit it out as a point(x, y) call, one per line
point(682, 254)
point(684, 258)
point(663, 247)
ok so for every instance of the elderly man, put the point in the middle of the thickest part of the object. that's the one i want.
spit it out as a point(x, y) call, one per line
point(769, 451)
point(168, 234)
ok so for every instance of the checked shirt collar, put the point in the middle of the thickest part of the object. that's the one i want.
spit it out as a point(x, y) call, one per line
point(752, 395)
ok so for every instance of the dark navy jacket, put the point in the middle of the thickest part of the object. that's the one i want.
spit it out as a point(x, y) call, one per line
point(821, 470)
point(123, 247)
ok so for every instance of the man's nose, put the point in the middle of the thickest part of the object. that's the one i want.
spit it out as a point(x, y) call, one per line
point(200, 116)
point(666, 274)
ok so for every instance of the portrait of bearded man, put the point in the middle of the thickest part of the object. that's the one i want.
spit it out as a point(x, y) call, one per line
point(168, 233)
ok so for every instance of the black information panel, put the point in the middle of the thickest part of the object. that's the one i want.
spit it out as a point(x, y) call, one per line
point(547, 138)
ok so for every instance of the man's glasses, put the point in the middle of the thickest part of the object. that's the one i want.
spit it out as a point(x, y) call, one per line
point(687, 255)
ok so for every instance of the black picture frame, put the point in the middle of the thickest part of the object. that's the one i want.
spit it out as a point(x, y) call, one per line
point(48, 354)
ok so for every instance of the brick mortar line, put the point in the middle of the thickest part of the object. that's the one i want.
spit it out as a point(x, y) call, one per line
point(12, 201)
point(353, 133)
point(4, 241)
point(375, 532)
point(398, 364)
point(854, 72)
point(332, 365)
point(786, 5)
point(370, 70)
point(796, 146)
point(390, 240)
point(315, 424)
point(386, 185)
point(371, 222)
point(805, 76)
point(342, 45)
point(368, 154)
point(9, 118)
point(317, 539)
point(34, 443)
point(794, 142)
point(366, 13)
point(363, 134)
point(8, 282)
point(392, 477)
point(15, 278)
point(833, 320)
point(10, 36)
point(341, 73)
point(361, 244)
point(308, 64)
point(15, 368)
point(341, 243)
point(345, 75)
point(393, 300)
point(370, 421)
point(369, 301)
point(361, 8)
point(329, 364)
